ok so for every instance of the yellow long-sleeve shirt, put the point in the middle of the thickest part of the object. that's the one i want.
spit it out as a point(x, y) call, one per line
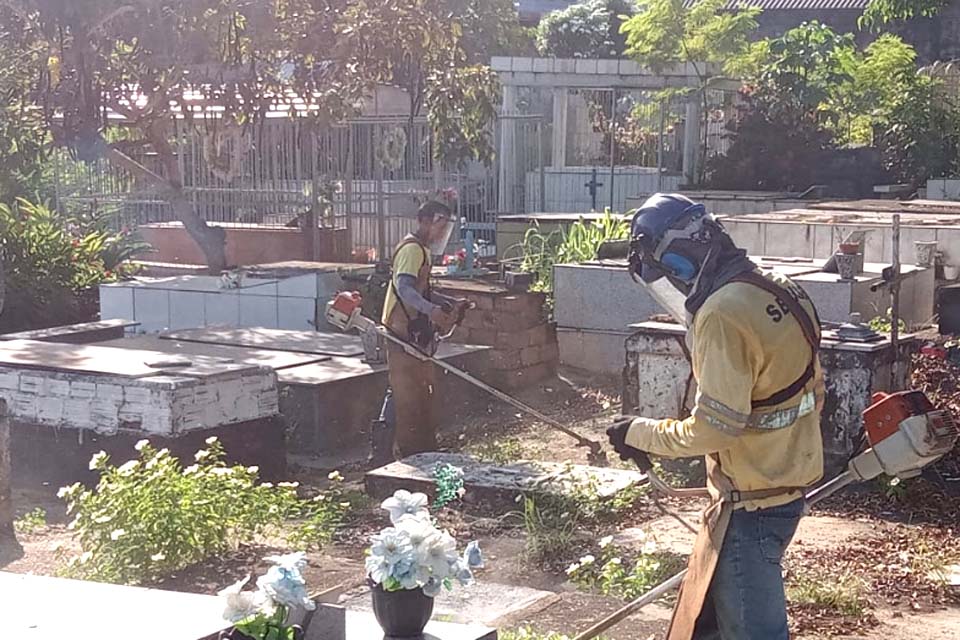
point(746, 347)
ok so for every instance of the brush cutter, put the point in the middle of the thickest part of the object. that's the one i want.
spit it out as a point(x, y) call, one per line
point(344, 312)
point(903, 433)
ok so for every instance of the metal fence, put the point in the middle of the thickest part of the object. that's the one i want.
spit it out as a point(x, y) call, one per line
point(368, 177)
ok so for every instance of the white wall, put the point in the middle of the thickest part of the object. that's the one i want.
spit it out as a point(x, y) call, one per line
point(566, 190)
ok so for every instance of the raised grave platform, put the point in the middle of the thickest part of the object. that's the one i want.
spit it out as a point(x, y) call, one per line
point(69, 401)
point(498, 485)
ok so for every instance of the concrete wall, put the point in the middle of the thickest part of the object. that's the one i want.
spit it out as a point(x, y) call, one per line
point(566, 189)
point(250, 244)
point(943, 189)
point(188, 302)
point(733, 203)
point(803, 239)
point(158, 405)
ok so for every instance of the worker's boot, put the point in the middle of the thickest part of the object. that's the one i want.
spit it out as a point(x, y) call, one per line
point(382, 434)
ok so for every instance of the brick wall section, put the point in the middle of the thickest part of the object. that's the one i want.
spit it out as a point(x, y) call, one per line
point(157, 405)
point(524, 343)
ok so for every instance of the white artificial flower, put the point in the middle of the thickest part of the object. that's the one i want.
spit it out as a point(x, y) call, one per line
point(606, 542)
point(239, 604)
point(437, 554)
point(461, 572)
point(473, 555)
point(405, 503)
point(418, 529)
point(392, 546)
point(432, 587)
point(297, 561)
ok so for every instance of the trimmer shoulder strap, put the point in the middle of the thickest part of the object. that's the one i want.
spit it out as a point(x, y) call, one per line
point(410, 239)
point(808, 326)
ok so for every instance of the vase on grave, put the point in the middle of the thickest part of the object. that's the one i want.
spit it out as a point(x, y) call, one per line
point(403, 613)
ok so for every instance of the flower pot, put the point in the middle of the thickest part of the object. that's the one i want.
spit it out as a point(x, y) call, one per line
point(401, 614)
point(951, 271)
point(847, 265)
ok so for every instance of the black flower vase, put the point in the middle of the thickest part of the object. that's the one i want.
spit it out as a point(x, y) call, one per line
point(401, 614)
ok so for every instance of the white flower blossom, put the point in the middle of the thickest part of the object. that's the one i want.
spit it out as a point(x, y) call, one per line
point(239, 604)
point(128, 467)
point(405, 503)
point(141, 445)
point(573, 568)
point(587, 560)
point(98, 460)
point(437, 554)
point(334, 476)
point(116, 534)
point(606, 542)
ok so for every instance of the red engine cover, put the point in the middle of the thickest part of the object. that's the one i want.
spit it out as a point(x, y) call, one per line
point(882, 418)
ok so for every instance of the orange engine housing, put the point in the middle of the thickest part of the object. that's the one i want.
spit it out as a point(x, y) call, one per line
point(346, 302)
point(882, 418)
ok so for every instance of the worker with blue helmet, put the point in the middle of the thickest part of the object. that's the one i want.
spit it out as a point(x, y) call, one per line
point(753, 339)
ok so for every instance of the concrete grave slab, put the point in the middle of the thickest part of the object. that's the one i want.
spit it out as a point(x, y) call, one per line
point(115, 612)
point(363, 626)
point(257, 357)
point(498, 485)
point(482, 602)
point(330, 344)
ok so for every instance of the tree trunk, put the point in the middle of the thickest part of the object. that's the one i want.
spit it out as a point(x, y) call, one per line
point(211, 240)
point(9, 547)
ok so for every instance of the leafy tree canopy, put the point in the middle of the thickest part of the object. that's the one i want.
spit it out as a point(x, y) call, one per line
point(590, 29)
point(881, 12)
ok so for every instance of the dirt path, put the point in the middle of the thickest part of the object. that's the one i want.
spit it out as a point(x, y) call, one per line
point(826, 540)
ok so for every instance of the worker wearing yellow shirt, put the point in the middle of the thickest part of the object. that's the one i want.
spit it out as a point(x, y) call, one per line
point(753, 341)
point(414, 313)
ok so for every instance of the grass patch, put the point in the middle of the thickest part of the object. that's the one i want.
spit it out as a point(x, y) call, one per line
point(499, 450)
point(550, 525)
point(624, 574)
point(842, 594)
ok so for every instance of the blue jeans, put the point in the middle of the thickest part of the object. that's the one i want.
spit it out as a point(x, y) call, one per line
point(746, 599)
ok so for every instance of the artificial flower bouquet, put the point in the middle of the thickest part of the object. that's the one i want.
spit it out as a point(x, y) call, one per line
point(263, 614)
point(414, 554)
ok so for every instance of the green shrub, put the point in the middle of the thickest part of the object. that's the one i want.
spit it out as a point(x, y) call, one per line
point(577, 244)
point(150, 517)
point(612, 575)
point(50, 262)
point(31, 522)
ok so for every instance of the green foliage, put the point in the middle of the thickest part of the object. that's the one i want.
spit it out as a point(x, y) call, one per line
point(882, 12)
point(31, 522)
point(50, 261)
point(461, 104)
point(23, 136)
point(884, 323)
point(527, 633)
point(893, 488)
point(150, 517)
point(449, 481)
point(842, 593)
point(589, 29)
point(577, 244)
point(921, 139)
point(550, 526)
point(668, 32)
point(612, 575)
point(322, 516)
point(499, 450)
point(879, 78)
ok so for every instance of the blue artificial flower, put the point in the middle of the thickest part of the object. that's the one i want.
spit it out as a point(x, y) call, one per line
point(473, 556)
point(432, 587)
point(284, 582)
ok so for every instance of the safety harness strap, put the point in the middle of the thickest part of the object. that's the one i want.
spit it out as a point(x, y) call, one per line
point(807, 326)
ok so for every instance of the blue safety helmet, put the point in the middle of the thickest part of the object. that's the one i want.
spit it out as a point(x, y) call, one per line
point(668, 237)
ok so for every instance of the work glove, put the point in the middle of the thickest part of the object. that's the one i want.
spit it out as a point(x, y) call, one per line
point(618, 434)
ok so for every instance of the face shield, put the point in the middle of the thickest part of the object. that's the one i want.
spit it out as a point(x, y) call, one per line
point(440, 232)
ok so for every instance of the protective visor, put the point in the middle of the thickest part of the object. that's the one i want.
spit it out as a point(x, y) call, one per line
point(440, 234)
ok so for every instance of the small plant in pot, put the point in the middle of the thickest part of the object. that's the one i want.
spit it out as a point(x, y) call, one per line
point(264, 614)
point(410, 562)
